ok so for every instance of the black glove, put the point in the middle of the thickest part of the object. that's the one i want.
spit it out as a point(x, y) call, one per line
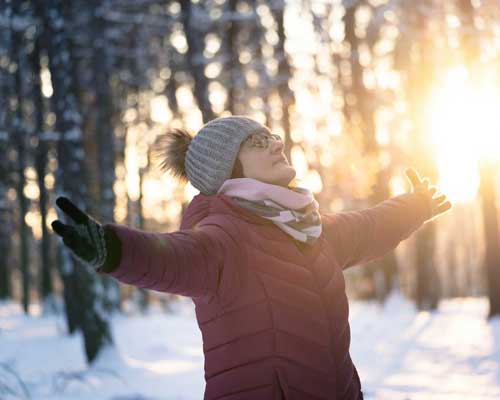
point(437, 205)
point(85, 238)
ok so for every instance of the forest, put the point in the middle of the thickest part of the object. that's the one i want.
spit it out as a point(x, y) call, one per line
point(359, 90)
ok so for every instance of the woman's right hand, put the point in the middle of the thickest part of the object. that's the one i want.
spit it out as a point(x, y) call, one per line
point(84, 237)
point(437, 205)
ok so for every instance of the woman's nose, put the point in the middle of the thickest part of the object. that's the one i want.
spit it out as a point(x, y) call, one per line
point(276, 145)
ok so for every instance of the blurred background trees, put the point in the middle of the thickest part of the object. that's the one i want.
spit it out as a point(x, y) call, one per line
point(359, 90)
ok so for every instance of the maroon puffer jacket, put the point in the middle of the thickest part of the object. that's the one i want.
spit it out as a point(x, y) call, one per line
point(272, 311)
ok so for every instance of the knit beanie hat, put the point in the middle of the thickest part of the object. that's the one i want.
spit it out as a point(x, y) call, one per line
point(208, 158)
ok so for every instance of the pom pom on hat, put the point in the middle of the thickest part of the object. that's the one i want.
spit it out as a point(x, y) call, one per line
point(170, 150)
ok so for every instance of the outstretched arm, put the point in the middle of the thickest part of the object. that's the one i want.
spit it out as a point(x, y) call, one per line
point(199, 262)
point(188, 262)
point(359, 237)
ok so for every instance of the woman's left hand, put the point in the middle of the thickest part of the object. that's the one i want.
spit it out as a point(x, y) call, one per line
point(84, 236)
point(439, 204)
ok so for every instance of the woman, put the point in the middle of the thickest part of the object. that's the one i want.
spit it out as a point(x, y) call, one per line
point(261, 263)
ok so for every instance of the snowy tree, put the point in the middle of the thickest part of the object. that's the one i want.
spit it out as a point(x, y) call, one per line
point(41, 159)
point(284, 73)
point(83, 291)
point(417, 43)
point(471, 48)
point(20, 20)
point(6, 165)
point(196, 23)
point(102, 110)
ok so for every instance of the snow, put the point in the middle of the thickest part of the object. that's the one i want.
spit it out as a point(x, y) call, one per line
point(452, 353)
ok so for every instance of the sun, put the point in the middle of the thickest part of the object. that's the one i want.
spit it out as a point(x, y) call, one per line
point(462, 122)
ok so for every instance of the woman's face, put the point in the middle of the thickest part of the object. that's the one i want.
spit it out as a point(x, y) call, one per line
point(266, 164)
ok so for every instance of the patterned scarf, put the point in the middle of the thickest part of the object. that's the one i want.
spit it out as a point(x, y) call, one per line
point(293, 209)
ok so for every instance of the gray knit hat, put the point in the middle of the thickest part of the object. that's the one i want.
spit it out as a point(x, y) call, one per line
point(213, 150)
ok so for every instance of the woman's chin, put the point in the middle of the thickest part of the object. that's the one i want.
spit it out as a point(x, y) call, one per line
point(286, 175)
point(293, 173)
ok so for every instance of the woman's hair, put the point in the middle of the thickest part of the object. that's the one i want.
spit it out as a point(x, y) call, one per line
point(169, 153)
point(237, 170)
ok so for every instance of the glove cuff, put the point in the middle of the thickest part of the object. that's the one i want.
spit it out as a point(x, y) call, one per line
point(114, 249)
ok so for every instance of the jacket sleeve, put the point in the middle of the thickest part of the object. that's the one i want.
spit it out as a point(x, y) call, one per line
point(188, 262)
point(359, 237)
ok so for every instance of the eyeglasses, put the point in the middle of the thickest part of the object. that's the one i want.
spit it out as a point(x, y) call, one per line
point(260, 140)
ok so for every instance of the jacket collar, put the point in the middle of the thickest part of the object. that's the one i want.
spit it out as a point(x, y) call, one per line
point(203, 205)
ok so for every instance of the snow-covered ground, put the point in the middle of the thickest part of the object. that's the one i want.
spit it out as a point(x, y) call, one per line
point(451, 354)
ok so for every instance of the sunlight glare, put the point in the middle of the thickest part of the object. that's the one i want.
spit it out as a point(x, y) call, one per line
point(462, 121)
point(299, 162)
point(190, 191)
point(312, 181)
point(160, 111)
point(46, 79)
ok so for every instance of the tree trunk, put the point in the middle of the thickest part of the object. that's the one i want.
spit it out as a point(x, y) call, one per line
point(171, 86)
point(420, 78)
point(265, 84)
point(81, 286)
point(359, 112)
point(427, 289)
point(387, 267)
point(284, 74)
point(490, 222)
point(5, 165)
point(232, 65)
point(104, 136)
point(21, 139)
point(143, 293)
point(45, 279)
point(195, 35)
point(487, 168)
